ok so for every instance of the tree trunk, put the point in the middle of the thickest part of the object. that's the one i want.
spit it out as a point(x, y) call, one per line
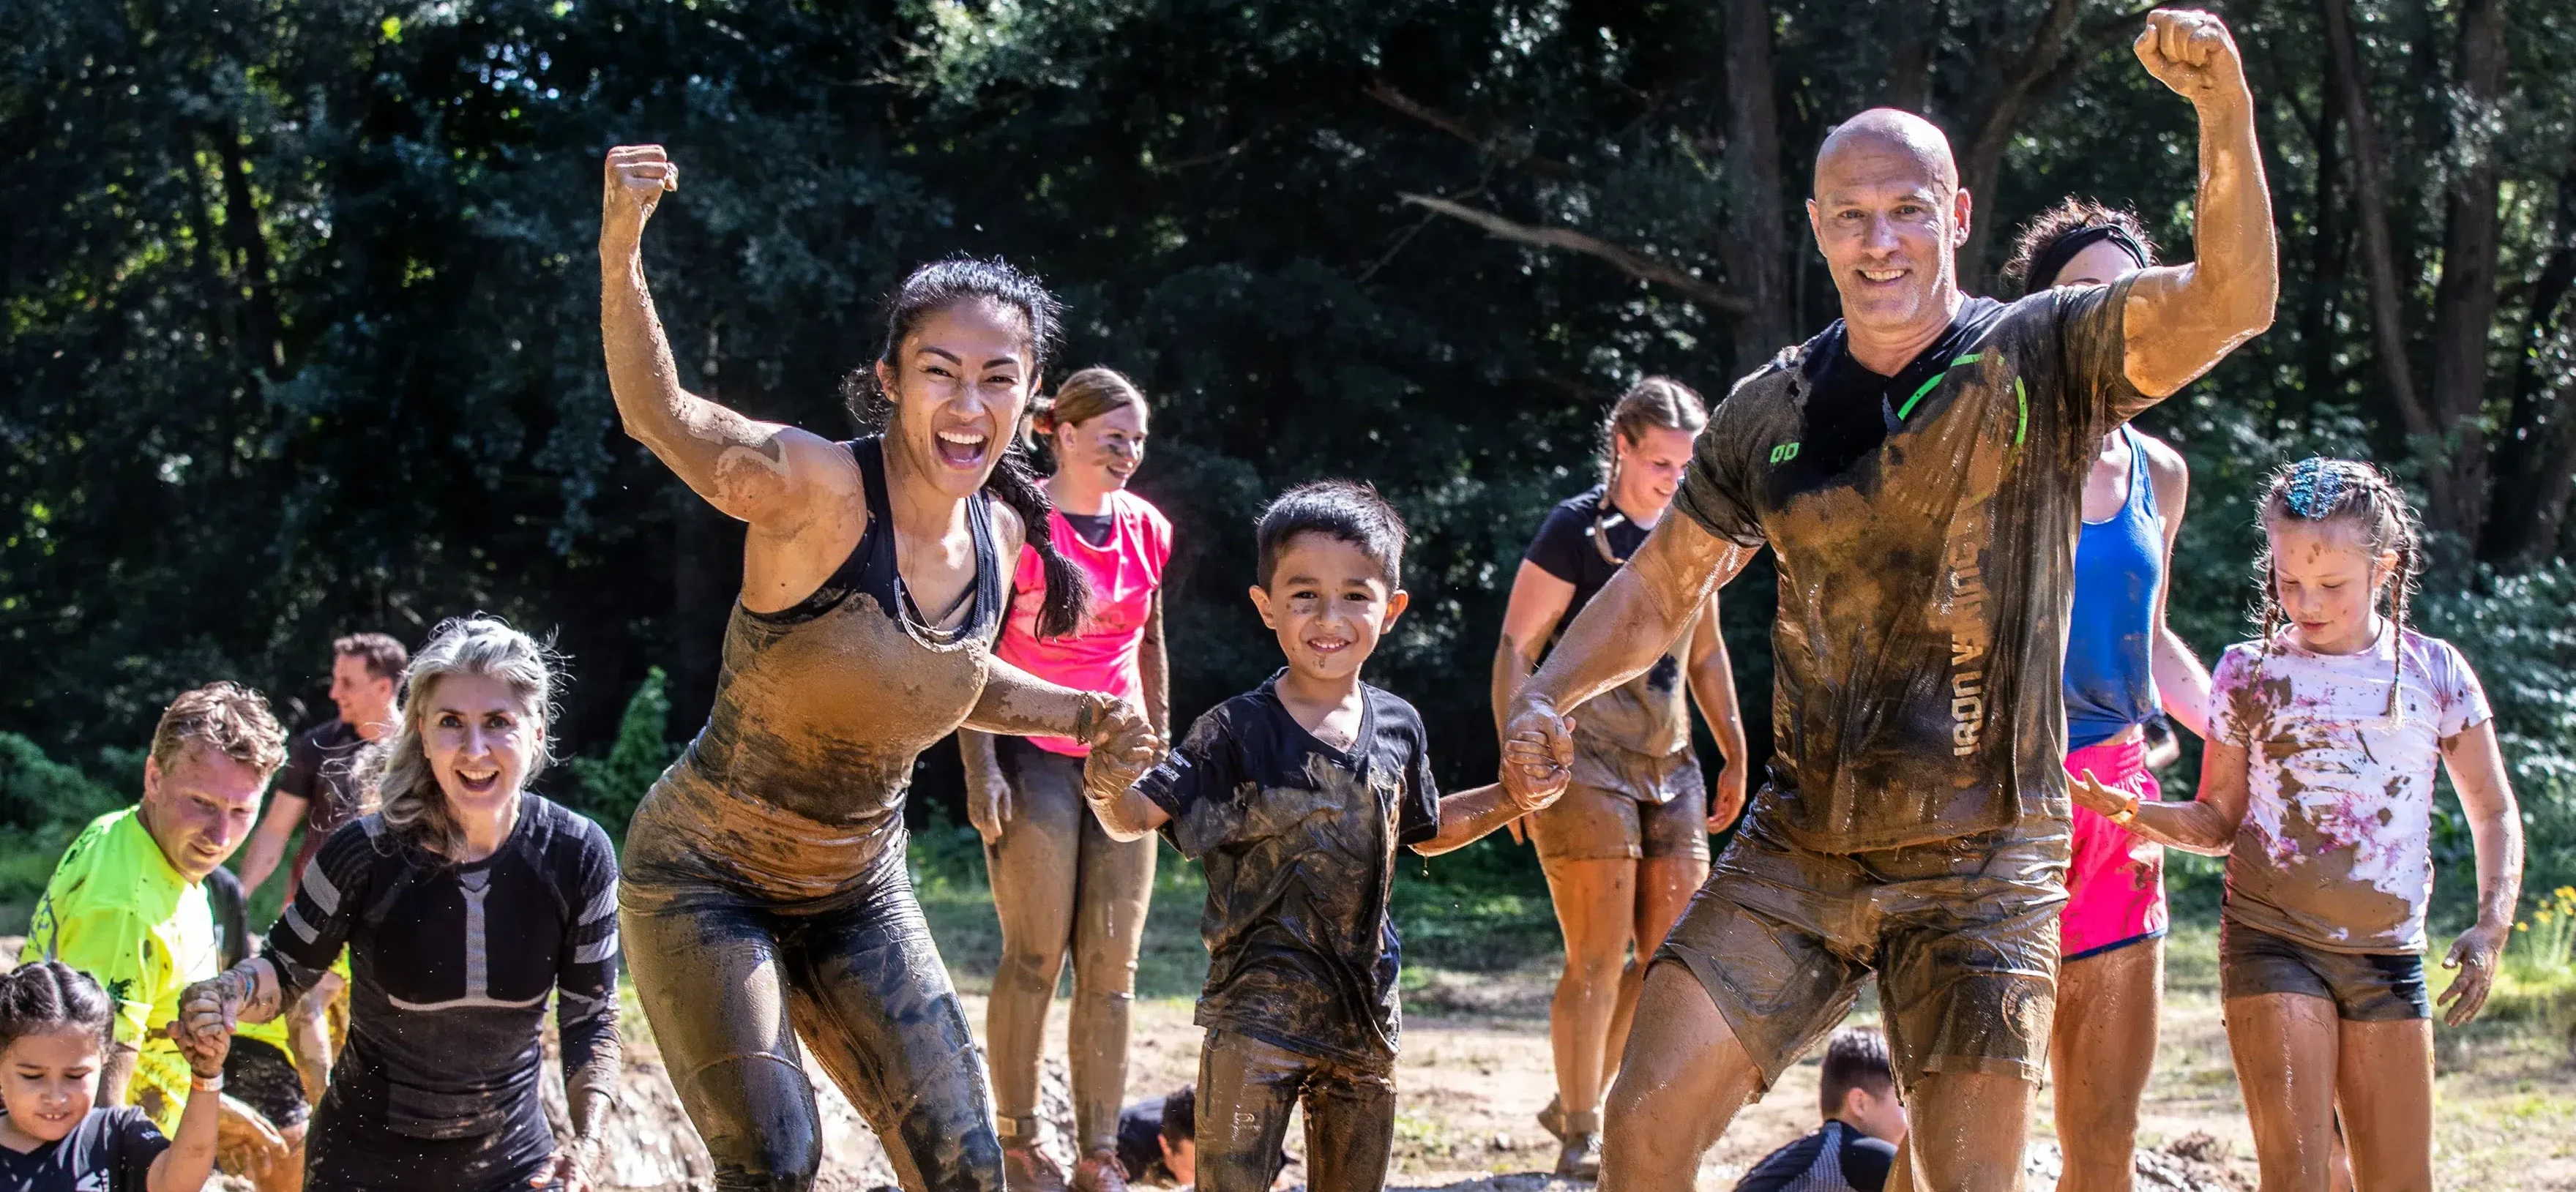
point(1758, 238)
point(2464, 301)
point(1915, 34)
point(2325, 268)
point(2018, 83)
point(2535, 459)
point(2370, 213)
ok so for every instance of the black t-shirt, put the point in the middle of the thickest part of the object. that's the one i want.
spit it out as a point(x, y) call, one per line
point(1093, 528)
point(1298, 842)
point(1924, 527)
point(1584, 541)
point(111, 1150)
point(450, 970)
point(1140, 1139)
point(1835, 1158)
point(320, 769)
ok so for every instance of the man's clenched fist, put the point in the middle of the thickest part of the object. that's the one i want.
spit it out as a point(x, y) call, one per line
point(2192, 53)
point(637, 175)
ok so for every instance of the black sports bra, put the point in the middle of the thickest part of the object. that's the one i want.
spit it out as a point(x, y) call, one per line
point(871, 567)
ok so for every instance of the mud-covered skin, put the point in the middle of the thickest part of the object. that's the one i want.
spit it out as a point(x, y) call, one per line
point(1246, 1089)
point(1925, 545)
point(2364, 986)
point(1962, 936)
point(766, 899)
point(1649, 714)
point(1298, 842)
point(1060, 885)
point(2335, 849)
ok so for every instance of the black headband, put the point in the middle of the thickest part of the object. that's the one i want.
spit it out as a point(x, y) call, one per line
point(2045, 267)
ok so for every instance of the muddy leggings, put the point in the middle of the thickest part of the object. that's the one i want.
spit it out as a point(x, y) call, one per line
point(1061, 884)
point(731, 982)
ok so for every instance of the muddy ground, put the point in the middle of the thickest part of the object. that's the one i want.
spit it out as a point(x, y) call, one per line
point(1476, 1067)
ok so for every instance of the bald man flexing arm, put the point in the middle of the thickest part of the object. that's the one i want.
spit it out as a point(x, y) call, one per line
point(1918, 470)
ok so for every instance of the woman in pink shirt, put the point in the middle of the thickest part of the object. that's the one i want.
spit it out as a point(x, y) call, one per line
point(1059, 882)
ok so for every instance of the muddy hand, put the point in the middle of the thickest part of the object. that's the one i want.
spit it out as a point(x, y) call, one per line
point(206, 1010)
point(569, 1170)
point(2474, 954)
point(1532, 720)
point(2192, 53)
point(245, 1141)
point(204, 1050)
point(988, 807)
point(1541, 766)
point(2092, 796)
point(636, 178)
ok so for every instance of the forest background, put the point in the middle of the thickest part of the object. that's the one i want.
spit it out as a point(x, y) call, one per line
point(301, 331)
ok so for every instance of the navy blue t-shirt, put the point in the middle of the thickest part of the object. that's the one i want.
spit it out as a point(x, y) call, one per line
point(111, 1150)
point(1298, 841)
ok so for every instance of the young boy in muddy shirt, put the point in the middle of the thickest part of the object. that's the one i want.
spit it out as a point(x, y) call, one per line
point(1295, 796)
point(1918, 473)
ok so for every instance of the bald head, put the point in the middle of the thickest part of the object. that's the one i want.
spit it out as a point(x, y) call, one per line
point(1883, 138)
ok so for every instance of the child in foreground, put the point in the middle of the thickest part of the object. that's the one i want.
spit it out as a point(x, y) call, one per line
point(53, 1040)
point(1295, 797)
point(2317, 784)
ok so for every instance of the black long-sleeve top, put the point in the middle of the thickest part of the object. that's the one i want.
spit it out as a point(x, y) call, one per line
point(451, 966)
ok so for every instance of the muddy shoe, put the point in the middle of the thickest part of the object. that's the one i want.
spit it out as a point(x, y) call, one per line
point(1102, 1172)
point(1025, 1168)
point(1552, 1118)
point(1581, 1158)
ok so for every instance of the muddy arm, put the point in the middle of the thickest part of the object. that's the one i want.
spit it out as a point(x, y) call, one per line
point(2182, 319)
point(2206, 825)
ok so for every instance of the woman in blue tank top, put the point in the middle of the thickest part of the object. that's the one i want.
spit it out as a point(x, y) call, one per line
point(2123, 667)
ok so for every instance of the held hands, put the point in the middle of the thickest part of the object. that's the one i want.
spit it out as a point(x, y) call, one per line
point(2192, 53)
point(637, 177)
point(1538, 754)
point(208, 1012)
point(1123, 746)
point(2474, 954)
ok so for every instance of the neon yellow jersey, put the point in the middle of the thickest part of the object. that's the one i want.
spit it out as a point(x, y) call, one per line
point(116, 910)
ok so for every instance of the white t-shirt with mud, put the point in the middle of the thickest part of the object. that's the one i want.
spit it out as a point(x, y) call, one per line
point(2336, 850)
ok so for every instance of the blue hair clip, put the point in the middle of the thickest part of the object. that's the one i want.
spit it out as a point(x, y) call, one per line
point(2316, 485)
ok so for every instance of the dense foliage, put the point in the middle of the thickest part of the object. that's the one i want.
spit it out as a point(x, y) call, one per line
point(301, 326)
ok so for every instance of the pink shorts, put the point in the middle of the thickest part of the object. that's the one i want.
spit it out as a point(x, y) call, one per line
point(2115, 886)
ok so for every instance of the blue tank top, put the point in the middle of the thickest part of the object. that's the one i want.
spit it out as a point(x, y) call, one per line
point(2110, 683)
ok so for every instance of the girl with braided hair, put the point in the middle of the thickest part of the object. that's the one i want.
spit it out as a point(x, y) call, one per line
point(2317, 785)
point(54, 1032)
point(765, 901)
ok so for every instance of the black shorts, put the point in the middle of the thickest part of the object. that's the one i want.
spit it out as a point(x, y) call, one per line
point(2364, 986)
point(260, 1076)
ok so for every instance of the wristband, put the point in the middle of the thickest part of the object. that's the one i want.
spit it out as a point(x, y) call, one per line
point(206, 1084)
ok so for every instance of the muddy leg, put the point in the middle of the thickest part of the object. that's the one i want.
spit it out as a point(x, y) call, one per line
point(1109, 928)
point(870, 996)
point(2102, 1048)
point(709, 981)
point(1664, 889)
point(1967, 1131)
point(2286, 1047)
point(1350, 1129)
point(1684, 1078)
point(1246, 1089)
point(2384, 1084)
point(1596, 904)
point(1033, 869)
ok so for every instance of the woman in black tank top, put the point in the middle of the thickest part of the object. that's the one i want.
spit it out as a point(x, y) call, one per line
point(765, 901)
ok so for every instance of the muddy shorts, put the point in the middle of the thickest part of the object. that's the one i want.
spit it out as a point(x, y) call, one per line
point(1962, 935)
point(1625, 806)
point(260, 1076)
point(2364, 986)
point(2115, 885)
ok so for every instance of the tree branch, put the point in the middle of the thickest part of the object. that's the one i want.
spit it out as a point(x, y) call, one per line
point(1629, 261)
point(1385, 93)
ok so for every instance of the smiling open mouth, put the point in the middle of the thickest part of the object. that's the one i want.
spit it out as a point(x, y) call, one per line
point(1882, 275)
point(961, 448)
point(481, 782)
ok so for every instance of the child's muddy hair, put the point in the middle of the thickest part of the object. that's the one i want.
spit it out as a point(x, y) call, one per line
point(1339, 509)
point(48, 996)
point(2317, 489)
point(938, 286)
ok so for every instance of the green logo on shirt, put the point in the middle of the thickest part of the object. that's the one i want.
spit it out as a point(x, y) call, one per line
point(1783, 454)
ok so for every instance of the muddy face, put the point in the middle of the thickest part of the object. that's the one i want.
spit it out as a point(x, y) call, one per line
point(1329, 602)
point(1102, 454)
point(2328, 580)
point(1889, 217)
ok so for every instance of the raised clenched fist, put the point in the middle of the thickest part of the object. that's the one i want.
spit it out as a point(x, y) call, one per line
point(2192, 53)
point(637, 176)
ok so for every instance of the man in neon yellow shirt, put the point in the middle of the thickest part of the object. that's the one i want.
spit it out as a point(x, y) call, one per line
point(127, 905)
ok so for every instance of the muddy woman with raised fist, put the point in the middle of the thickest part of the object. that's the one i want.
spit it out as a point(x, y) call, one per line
point(1060, 885)
point(765, 899)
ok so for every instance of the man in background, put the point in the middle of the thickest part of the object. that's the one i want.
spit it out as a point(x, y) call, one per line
point(1864, 1124)
point(318, 790)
